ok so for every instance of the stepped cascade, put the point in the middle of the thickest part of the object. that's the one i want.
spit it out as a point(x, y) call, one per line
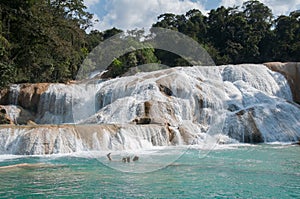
point(177, 106)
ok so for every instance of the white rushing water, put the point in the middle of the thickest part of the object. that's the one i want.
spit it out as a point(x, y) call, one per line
point(48, 139)
point(14, 94)
point(248, 103)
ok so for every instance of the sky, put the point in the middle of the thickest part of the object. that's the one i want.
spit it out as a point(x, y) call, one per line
point(132, 14)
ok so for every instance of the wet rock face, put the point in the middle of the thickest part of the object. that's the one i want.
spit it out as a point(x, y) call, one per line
point(143, 120)
point(244, 121)
point(291, 71)
point(165, 90)
point(30, 94)
point(27, 96)
point(15, 115)
point(4, 118)
point(52, 139)
point(22, 101)
point(4, 96)
point(255, 101)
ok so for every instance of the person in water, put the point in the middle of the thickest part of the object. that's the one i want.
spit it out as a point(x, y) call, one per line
point(135, 158)
point(296, 143)
point(108, 156)
point(124, 159)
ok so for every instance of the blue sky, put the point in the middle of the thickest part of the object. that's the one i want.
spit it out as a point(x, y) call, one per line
point(131, 14)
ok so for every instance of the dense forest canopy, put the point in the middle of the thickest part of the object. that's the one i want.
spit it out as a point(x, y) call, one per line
point(46, 40)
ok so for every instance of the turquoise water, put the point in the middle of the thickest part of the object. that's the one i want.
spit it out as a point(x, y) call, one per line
point(245, 171)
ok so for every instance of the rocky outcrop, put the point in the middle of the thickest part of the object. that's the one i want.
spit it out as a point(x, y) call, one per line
point(30, 94)
point(249, 103)
point(42, 103)
point(291, 71)
point(245, 121)
point(4, 118)
point(16, 114)
point(4, 96)
point(22, 101)
point(52, 139)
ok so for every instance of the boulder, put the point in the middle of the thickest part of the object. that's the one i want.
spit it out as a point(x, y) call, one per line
point(291, 71)
point(4, 118)
point(4, 96)
point(30, 94)
point(143, 120)
point(31, 123)
point(15, 114)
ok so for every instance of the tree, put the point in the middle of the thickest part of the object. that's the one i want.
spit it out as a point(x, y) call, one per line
point(288, 37)
point(93, 39)
point(196, 26)
point(167, 20)
point(74, 10)
point(221, 31)
point(260, 20)
point(111, 32)
point(47, 38)
point(6, 68)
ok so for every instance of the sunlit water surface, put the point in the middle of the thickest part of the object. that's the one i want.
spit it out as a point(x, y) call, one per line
point(238, 171)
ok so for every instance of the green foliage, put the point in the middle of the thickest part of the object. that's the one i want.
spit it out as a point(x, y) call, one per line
point(6, 69)
point(288, 37)
point(93, 39)
point(6, 74)
point(234, 35)
point(111, 32)
point(47, 38)
point(46, 41)
point(123, 64)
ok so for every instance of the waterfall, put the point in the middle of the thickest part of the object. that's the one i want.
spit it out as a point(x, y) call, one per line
point(62, 103)
point(183, 105)
point(259, 103)
point(258, 77)
point(14, 91)
point(45, 139)
point(177, 139)
point(55, 105)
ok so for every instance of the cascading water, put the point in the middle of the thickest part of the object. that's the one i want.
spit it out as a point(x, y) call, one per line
point(260, 105)
point(184, 105)
point(47, 139)
point(14, 91)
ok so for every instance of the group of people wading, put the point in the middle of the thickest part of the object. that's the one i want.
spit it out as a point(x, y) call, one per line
point(124, 159)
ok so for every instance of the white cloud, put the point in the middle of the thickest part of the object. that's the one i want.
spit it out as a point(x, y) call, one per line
point(131, 14)
point(89, 3)
point(231, 3)
point(278, 7)
point(95, 21)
